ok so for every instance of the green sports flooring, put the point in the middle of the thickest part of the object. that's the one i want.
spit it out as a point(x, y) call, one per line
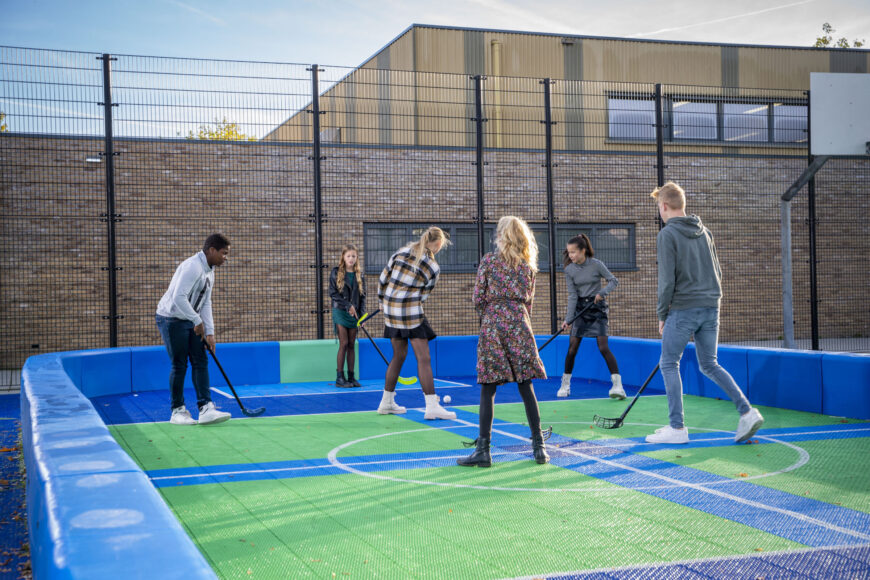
point(368, 496)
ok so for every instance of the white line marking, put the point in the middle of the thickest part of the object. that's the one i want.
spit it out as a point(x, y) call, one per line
point(341, 391)
point(332, 457)
point(658, 565)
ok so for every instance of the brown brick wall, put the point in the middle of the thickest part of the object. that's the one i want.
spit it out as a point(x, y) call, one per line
point(171, 194)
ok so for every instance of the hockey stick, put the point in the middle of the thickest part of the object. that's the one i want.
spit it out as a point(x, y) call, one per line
point(359, 324)
point(569, 323)
point(248, 412)
point(607, 423)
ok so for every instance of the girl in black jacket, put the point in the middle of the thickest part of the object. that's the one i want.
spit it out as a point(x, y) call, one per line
point(347, 290)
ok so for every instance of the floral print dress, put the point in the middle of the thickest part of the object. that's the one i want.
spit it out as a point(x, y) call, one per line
point(506, 349)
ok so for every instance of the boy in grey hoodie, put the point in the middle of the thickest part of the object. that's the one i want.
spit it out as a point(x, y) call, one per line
point(689, 291)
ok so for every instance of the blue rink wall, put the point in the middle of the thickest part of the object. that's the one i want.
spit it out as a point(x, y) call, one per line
point(92, 513)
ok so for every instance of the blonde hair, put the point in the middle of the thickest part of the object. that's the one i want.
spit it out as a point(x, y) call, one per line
point(342, 267)
point(671, 194)
point(420, 247)
point(516, 242)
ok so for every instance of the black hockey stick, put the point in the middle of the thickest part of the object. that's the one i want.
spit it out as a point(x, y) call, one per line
point(569, 323)
point(359, 324)
point(248, 412)
point(607, 423)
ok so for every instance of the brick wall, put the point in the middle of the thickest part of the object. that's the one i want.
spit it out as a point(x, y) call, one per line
point(172, 194)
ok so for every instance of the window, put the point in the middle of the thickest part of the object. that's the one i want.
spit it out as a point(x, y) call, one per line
point(694, 118)
point(613, 243)
point(789, 123)
point(745, 122)
point(631, 119)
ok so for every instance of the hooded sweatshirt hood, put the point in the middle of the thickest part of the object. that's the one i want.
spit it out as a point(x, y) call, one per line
point(690, 226)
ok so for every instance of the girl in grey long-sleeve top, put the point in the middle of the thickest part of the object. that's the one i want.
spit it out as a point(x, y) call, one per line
point(583, 274)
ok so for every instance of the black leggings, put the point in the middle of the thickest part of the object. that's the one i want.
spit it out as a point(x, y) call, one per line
point(346, 338)
point(487, 401)
point(574, 346)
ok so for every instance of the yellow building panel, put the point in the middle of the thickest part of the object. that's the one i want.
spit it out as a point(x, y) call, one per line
point(440, 50)
point(648, 62)
point(781, 68)
point(524, 55)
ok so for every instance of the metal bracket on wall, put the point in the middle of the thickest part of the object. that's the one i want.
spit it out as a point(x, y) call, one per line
point(116, 217)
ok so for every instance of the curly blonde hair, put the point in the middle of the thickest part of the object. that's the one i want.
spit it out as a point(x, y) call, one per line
point(516, 242)
point(342, 267)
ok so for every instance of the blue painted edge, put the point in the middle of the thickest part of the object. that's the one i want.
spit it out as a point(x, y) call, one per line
point(83, 491)
point(55, 410)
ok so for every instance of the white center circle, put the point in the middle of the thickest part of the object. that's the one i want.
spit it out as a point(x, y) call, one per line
point(332, 456)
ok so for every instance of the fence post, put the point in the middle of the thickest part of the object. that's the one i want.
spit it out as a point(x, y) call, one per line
point(551, 219)
point(478, 161)
point(811, 224)
point(110, 217)
point(317, 216)
point(660, 129)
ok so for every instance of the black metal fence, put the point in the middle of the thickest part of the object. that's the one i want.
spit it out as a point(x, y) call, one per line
point(115, 168)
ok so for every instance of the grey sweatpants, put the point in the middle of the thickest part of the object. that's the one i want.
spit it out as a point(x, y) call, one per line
point(679, 328)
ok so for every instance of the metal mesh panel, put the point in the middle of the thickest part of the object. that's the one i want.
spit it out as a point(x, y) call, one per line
point(205, 145)
point(52, 241)
point(197, 154)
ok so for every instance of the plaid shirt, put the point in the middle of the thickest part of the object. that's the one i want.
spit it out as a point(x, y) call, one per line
point(403, 286)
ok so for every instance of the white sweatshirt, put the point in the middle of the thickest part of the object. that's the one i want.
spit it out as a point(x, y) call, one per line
point(189, 294)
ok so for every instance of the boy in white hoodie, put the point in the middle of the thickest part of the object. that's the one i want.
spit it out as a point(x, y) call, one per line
point(185, 322)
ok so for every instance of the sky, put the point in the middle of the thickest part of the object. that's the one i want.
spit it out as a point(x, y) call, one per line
point(348, 32)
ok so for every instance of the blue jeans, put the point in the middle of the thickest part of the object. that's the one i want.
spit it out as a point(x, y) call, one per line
point(183, 343)
point(679, 328)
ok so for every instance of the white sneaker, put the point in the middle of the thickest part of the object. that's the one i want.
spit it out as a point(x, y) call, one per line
point(209, 415)
point(388, 405)
point(181, 416)
point(749, 423)
point(669, 435)
point(616, 391)
point(435, 411)
point(565, 389)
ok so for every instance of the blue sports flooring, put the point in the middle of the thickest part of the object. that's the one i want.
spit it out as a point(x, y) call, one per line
point(839, 537)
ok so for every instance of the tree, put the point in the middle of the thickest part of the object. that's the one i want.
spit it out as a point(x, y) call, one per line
point(827, 39)
point(3, 127)
point(223, 130)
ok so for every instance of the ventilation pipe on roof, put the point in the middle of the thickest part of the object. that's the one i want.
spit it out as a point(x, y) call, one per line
point(495, 48)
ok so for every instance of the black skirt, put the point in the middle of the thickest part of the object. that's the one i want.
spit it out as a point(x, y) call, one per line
point(594, 321)
point(422, 331)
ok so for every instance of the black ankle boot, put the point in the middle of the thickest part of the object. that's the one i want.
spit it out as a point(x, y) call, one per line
point(340, 381)
point(539, 448)
point(350, 379)
point(480, 457)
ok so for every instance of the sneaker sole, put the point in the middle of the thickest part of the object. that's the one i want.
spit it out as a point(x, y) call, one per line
point(752, 430)
point(667, 442)
point(380, 412)
point(453, 418)
point(617, 396)
point(563, 395)
point(215, 422)
point(184, 424)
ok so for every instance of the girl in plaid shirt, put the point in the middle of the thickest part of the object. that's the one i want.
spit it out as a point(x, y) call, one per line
point(405, 283)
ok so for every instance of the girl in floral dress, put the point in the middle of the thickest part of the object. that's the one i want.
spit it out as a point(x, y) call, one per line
point(506, 349)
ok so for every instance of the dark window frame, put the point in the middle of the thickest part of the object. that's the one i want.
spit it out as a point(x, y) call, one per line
point(374, 264)
point(720, 102)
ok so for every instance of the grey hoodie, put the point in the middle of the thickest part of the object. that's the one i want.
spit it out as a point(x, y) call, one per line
point(689, 273)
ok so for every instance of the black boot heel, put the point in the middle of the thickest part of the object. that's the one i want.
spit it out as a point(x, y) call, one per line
point(481, 456)
point(538, 438)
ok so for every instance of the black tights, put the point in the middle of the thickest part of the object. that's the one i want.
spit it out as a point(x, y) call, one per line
point(574, 346)
point(487, 401)
point(346, 338)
